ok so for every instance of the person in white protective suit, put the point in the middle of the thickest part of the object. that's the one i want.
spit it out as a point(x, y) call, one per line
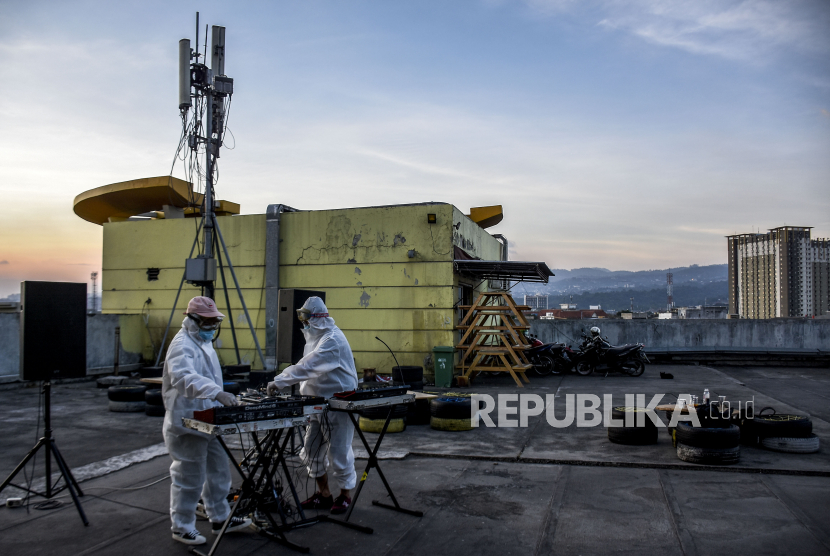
point(327, 367)
point(192, 380)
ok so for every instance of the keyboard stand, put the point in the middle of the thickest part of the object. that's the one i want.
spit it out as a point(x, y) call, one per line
point(372, 464)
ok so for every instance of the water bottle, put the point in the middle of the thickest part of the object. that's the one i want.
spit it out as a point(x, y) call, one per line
point(706, 396)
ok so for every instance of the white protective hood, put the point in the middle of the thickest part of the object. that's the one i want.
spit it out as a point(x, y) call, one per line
point(327, 365)
point(191, 379)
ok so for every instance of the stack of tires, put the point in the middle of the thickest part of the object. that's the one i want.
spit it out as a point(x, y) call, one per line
point(409, 374)
point(154, 404)
point(632, 436)
point(717, 442)
point(372, 419)
point(126, 399)
point(418, 413)
point(451, 413)
point(780, 432)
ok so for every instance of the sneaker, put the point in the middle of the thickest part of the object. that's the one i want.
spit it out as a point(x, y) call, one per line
point(201, 511)
point(341, 504)
point(318, 502)
point(236, 524)
point(189, 537)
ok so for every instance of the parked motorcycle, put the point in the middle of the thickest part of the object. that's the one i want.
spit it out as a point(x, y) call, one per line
point(597, 353)
point(547, 358)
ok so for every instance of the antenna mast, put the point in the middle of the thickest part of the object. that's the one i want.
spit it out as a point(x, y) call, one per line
point(208, 86)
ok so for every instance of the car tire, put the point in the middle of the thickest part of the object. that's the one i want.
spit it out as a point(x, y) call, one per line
point(127, 407)
point(154, 410)
point(153, 397)
point(407, 374)
point(803, 445)
point(381, 412)
point(705, 437)
point(781, 425)
point(418, 413)
point(708, 456)
point(620, 412)
point(633, 436)
point(450, 407)
point(452, 425)
point(126, 393)
point(376, 425)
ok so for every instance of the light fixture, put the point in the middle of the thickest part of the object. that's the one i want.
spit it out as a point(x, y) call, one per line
point(431, 219)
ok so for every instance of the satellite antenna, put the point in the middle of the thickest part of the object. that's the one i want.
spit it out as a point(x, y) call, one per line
point(205, 93)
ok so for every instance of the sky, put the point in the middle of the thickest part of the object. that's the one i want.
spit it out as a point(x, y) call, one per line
point(625, 134)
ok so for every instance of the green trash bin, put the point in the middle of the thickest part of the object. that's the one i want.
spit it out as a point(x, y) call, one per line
point(444, 359)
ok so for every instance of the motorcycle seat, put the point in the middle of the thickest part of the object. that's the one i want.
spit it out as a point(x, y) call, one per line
point(621, 350)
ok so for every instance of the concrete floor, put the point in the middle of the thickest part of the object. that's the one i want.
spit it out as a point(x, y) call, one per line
point(534, 490)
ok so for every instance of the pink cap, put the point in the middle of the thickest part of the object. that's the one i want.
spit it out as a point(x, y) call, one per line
point(204, 307)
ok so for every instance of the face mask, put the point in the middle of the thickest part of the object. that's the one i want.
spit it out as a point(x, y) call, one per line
point(206, 335)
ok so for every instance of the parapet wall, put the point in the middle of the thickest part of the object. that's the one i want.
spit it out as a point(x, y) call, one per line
point(100, 344)
point(702, 333)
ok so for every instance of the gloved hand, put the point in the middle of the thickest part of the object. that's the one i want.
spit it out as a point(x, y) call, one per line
point(226, 399)
point(272, 389)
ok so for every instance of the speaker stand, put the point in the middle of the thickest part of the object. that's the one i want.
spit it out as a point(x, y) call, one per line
point(48, 443)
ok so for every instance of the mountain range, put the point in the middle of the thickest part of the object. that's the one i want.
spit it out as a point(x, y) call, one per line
point(613, 289)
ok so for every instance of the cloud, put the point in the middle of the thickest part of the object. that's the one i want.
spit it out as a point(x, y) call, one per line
point(4, 261)
point(749, 30)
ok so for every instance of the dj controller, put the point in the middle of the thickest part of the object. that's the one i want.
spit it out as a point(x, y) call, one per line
point(257, 407)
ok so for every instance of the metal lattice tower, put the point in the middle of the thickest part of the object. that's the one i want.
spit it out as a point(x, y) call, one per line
point(669, 291)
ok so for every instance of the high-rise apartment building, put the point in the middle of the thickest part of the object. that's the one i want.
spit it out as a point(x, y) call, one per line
point(536, 302)
point(782, 273)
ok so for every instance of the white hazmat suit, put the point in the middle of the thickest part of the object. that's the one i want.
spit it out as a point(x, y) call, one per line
point(327, 367)
point(192, 378)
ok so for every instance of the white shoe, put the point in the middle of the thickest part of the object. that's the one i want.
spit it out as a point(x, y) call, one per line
point(201, 511)
point(236, 524)
point(189, 537)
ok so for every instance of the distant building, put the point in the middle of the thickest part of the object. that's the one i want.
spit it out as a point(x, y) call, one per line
point(629, 315)
point(567, 306)
point(536, 302)
point(782, 273)
point(572, 314)
point(703, 312)
point(595, 307)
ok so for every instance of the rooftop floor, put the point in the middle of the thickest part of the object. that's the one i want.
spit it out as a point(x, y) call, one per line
point(533, 490)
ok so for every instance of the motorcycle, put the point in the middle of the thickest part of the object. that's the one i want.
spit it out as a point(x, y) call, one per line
point(597, 353)
point(547, 358)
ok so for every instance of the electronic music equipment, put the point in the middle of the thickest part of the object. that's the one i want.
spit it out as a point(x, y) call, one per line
point(254, 408)
point(248, 426)
point(354, 405)
point(372, 390)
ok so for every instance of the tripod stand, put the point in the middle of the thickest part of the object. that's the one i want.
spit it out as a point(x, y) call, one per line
point(47, 442)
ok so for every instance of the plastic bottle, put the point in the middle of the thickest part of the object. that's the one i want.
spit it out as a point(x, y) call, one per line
point(706, 395)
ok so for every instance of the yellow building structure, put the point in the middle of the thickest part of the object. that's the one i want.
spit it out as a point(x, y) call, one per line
point(387, 271)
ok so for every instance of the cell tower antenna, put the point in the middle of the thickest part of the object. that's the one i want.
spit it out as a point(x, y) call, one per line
point(669, 291)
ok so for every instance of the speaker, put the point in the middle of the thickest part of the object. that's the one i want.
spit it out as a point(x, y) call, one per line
point(52, 330)
point(290, 342)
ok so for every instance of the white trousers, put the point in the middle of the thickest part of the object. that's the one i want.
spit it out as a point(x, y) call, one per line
point(200, 468)
point(328, 441)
